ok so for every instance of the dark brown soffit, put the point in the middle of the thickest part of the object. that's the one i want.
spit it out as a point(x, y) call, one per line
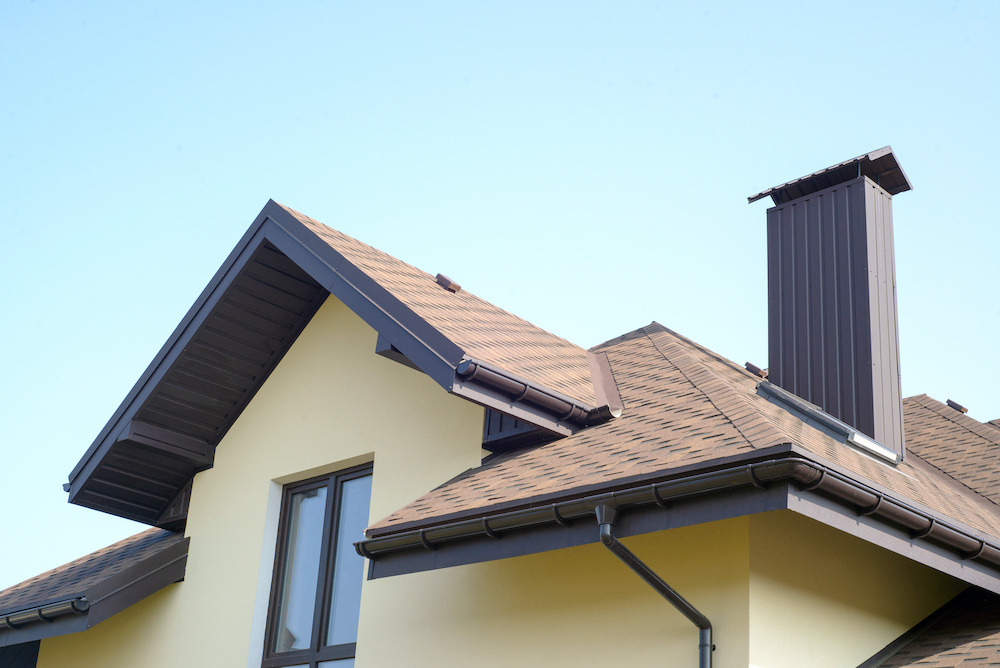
point(235, 334)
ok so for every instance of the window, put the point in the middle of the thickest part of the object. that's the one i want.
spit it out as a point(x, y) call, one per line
point(316, 588)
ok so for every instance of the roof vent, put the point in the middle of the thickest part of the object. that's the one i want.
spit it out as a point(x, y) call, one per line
point(447, 283)
point(957, 406)
point(756, 370)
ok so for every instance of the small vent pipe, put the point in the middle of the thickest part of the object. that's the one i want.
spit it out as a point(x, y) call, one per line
point(606, 518)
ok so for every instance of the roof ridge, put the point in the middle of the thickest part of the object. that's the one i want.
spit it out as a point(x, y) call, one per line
point(960, 419)
point(732, 405)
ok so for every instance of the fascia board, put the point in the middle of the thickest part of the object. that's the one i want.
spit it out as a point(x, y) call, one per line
point(121, 590)
point(829, 497)
point(421, 343)
point(894, 539)
point(683, 512)
point(108, 597)
point(57, 627)
point(174, 344)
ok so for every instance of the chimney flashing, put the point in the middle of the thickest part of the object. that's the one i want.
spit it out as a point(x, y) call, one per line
point(816, 417)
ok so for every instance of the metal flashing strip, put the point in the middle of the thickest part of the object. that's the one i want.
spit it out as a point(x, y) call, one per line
point(811, 413)
point(866, 502)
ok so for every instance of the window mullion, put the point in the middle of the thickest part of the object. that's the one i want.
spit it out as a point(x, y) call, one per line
point(332, 502)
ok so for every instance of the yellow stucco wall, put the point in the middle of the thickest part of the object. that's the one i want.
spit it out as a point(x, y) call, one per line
point(836, 598)
point(766, 581)
point(330, 404)
point(573, 607)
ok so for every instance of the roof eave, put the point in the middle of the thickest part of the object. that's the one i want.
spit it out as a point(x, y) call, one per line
point(74, 613)
point(791, 481)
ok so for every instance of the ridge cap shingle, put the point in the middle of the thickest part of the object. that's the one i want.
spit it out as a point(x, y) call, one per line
point(960, 419)
point(719, 392)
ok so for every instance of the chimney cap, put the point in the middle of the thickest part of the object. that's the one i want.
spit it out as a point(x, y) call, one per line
point(880, 166)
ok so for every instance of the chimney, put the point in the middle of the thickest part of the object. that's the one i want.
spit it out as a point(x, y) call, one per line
point(831, 289)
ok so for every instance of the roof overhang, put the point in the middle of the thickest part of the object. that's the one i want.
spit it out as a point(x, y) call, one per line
point(782, 480)
point(166, 430)
point(880, 166)
point(83, 609)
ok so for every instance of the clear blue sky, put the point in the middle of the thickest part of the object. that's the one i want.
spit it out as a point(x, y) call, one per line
point(583, 164)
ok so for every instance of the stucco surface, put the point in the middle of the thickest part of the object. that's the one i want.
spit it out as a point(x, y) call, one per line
point(331, 403)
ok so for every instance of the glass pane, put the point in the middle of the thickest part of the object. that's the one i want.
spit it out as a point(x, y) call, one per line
point(297, 604)
point(339, 663)
point(349, 566)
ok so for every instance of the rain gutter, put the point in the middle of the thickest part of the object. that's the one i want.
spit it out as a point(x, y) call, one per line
point(807, 475)
point(44, 613)
point(519, 391)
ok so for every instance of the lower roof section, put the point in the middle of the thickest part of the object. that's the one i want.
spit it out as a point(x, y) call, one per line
point(789, 482)
point(965, 631)
point(84, 592)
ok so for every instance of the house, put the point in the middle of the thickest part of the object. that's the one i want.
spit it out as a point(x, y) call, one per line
point(342, 457)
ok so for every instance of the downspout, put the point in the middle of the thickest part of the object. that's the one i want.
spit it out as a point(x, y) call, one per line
point(606, 517)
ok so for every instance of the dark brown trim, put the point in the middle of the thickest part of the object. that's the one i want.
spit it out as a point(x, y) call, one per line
point(200, 454)
point(605, 388)
point(556, 498)
point(880, 166)
point(170, 457)
point(333, 483)
point(98, 602)
point(946, 547)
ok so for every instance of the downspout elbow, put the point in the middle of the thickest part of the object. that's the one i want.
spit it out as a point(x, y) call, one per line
point(607, 516)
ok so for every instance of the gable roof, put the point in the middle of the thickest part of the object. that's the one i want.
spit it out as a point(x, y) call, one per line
point(78, 595)
point(689, 413)
point(166, 430)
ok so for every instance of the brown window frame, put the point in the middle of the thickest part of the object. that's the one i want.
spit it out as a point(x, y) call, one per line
point(316, 653)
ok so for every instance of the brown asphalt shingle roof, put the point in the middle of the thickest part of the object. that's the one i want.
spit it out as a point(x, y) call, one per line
point(684, 405)
point(955, 443)
point(480, 329)
point(75, 578)
point(967, 635)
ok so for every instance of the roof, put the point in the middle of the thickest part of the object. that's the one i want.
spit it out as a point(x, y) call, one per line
point(685, 406)
point(483, 331)
point(166, 430)
point(688, 412)
point(90, 589)
point(955, 443)
point(880, 166)
point(964, 632)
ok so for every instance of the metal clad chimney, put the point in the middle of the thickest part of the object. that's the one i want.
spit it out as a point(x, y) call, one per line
point(832, 326)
